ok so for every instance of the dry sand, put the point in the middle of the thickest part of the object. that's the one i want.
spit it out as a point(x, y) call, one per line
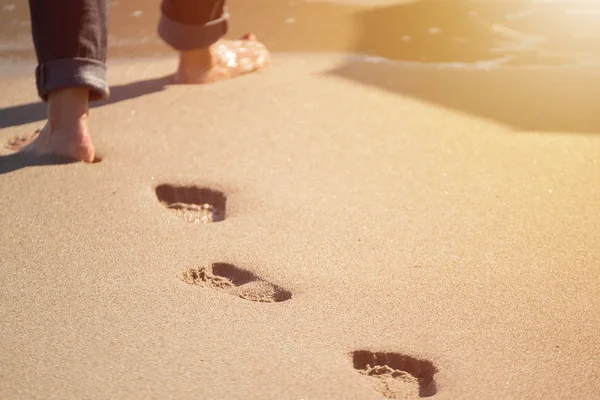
point(465, 250)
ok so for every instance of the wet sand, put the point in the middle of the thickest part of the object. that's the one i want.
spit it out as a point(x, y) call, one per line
point(516, 33)
point(378, 217)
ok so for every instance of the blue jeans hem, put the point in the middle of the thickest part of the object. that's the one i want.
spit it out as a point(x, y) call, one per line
point(189, 37)
point(71, 73)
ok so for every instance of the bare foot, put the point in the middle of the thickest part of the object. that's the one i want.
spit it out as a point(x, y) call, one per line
point(76, 146)
point(223, 60)
point(66, 132)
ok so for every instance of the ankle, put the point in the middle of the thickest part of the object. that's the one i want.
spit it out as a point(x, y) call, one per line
point(68, 109)
point(197, 59)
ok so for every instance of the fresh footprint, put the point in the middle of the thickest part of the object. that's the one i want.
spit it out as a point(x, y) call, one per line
point(193, 204)
point(395, 375)
point(19, 142)
point(237, 282)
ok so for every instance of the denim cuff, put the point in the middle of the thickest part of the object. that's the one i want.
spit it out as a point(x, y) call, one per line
point(71, 73)
point(189, 37)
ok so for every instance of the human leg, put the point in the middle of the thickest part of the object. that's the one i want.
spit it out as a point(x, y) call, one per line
point(70, 43)
point(195, 29)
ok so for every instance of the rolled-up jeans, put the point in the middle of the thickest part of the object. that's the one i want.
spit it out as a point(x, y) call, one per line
point(70, 38)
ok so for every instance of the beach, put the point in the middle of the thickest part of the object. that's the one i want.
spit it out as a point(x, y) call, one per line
point(391, 228)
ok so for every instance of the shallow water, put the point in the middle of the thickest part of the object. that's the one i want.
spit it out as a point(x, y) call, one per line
point(510, 33)
point(494, 60)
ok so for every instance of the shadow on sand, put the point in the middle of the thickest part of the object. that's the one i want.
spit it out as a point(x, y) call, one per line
point(16, 161)
point(33, 112)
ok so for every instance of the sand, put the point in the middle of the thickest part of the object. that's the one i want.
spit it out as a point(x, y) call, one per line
point(424, 249)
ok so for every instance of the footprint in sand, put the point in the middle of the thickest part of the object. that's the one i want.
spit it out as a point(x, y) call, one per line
point(395, 375)
point(237, 282)
point(18, 142)
point(193, 203)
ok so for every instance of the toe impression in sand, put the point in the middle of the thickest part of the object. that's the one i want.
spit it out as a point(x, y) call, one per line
point(395, 375)
point(235, 281)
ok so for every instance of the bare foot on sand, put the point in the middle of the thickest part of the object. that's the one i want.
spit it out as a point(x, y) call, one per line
point(66, 133)
point(75, 145)
point(223, 60)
